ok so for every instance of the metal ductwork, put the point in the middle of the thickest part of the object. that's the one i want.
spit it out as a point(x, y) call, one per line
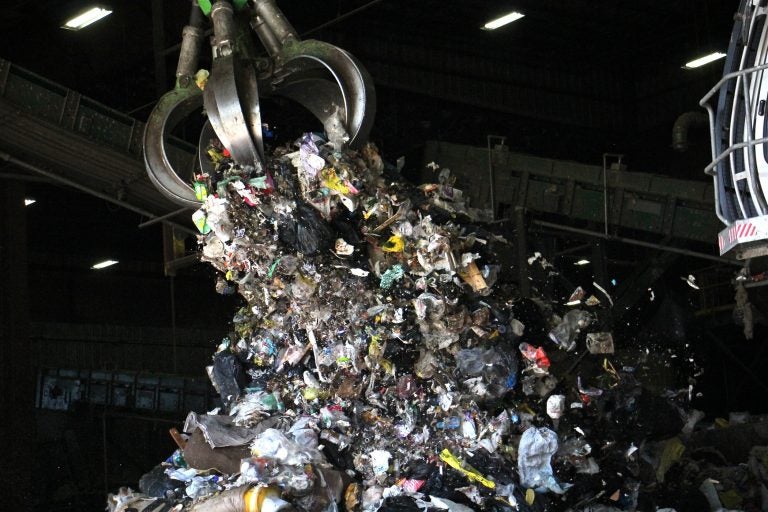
point(682, 128)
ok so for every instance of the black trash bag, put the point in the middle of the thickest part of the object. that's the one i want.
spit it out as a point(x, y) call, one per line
point(445, 485)
point(496, 506)
point(284, 178)
point(346, 226)
point(305, 231)
point(403, 355)
point(157, 484)
point(229, 376)
point(399, 504)
point(492, 465)
point(341, 459)
point(420, 471)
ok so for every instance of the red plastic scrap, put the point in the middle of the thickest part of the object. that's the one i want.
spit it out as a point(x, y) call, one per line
point(536, 355)
point(411, 485)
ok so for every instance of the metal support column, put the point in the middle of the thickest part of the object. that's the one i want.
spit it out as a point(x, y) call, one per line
point(17, 391)
point(492, 173)
point(599, 266)
point(521, 238)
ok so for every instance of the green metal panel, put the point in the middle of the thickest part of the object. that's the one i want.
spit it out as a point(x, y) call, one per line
point(629, 180)
point(581, 172)
point(520, 162)
point(543, 196)
point(587, 204)
point(506, 188)
point(35, 95)
point(93, 121)
point(641, 213)
point(695, 223)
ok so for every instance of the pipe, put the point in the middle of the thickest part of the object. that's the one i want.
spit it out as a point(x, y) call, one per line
point(491, 180)
point(522, 251)
point(681, 128)
point(605, 186)
point(6, 157)
point(632, 241)
point(173, 323)
point(163, 217)
point(266, 36)
point(223, 19)
point(492, 173)
point(22, 177)
point(282, 29)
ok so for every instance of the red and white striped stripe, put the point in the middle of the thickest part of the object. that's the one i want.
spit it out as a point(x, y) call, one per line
point(743, 230)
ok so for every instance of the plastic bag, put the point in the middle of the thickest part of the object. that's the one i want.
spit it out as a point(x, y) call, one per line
point(157, 484)
point(498, 369)
point(273, 444)
point(305, 231)
point(537, 446)
point(228, 376)
point(565, 332)
point(600, 343)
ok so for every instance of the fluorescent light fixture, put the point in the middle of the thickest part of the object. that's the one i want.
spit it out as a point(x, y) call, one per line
point(695, 63)
point(28, 201)
point(104, 264)
point(582, 262)
point(503, 20)
point(573, 303)
point(92, 15)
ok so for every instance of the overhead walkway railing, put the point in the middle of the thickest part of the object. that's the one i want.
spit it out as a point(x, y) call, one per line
point(672, 208)
point(70, 110)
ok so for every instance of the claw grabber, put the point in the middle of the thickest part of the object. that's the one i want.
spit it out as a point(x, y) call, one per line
point(323, 78)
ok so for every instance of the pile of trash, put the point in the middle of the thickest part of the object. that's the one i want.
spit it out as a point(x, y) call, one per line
point(382, 360)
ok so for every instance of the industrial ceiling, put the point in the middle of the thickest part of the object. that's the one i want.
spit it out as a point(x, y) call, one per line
point(571, 80)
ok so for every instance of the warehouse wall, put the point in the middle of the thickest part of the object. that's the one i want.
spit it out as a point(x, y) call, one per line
point(122, 318)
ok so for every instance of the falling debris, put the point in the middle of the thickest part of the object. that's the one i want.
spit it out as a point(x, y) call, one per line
point(378, 361)
point(690, 281)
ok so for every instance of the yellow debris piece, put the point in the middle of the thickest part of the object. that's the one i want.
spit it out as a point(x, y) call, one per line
point(333, 182)
point(530, 496)
point(450, 459)
point(394, 244)
point(672, 452)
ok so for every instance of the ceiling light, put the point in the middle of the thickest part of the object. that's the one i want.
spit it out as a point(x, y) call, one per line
point(503, 20)
point(104, 264)
point(695, 63)
point(573, 303)
point(28, 201)
point(92, 15)
point(582, 262)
